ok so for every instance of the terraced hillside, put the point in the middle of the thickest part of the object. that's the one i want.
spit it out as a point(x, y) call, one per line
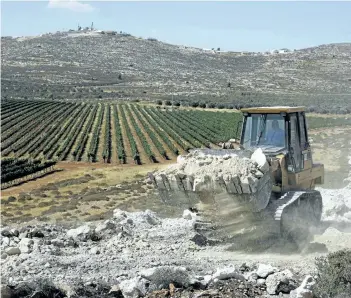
point(91, 66)
point(107, 132)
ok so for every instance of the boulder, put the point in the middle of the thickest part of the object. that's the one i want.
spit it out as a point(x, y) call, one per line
point(57, 242)
point(11, 251)
point(134, 288)
point(261, 281)
point(36, 233)
point(226, 273)
point(5, 241)
point(106, 225)
point(251, 277)
point(25, 245)
point(82, 233)
point(3, 256)
point(264, 270)
point(281, 282)
point(6, 233)
point(305, 289)
point(261, 160)
point(162, 276)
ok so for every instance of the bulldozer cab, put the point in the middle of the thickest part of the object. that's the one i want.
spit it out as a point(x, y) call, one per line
point(278, 130)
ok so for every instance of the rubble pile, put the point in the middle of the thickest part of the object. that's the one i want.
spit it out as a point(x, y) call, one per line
point(130, 255)
point(240, 171)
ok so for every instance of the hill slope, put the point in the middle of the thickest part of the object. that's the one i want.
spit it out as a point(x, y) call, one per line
point(94, 65)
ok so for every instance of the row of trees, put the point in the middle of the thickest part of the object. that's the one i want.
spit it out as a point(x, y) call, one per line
point(20, 168)
point(92, 131)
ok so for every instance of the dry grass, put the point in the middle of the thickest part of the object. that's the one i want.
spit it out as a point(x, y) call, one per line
point(85, 192)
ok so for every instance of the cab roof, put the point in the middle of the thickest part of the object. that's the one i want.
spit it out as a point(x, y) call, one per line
point(273, 110)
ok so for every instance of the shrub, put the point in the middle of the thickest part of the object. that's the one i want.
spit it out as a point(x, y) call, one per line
point(194, 104)
point(334, 274)
point(220, 106)
point(202, 105)
point(168, 103)
point(159, 102)
point(211, 105)
point(176, 104)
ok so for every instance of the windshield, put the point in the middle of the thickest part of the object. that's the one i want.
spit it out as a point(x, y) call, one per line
point(266, 131)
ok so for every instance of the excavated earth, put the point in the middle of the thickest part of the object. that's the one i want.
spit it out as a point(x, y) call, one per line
point(135, 254)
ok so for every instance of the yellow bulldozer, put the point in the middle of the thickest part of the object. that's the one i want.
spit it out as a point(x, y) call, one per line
point(256, 187)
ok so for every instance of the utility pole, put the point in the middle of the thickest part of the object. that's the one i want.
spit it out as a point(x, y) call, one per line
point(92, 26)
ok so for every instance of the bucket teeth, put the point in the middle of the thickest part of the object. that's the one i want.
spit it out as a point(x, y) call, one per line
point(236, 182)
point(245, 185)
point(230, 184)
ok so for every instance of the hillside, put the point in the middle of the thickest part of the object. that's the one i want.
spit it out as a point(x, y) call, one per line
point(92, 65)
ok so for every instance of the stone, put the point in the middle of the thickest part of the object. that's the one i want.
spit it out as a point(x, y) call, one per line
point(115, 290)
point(106, 225)
point(199, 239)
point(133, 288)
point(162, 276)
point(36, 233)
point(3, 256)
point(5, 241)
point(226, 273)
point(261, 160)
point(280, 282)
point(305, 289)
point(6, 233)
point(25, 245)
point(15, 232)
point(264, 270)
point(251, 276)
point(261, 281)
point(80, 233)
point(11, 251)
point(57, 242)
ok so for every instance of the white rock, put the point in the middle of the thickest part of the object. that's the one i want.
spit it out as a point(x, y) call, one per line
point(11, 251)
point(280, 282)
point(261, 160)
point(162, 276)
point(305, 289)
point(261, 281)
point(82, 231)
point(226, 273)
point(25, 245)
point(133, 288)
point(251, 276)
point(57, 242)
point(264, 270)
point(5, 241)
point(106, 225)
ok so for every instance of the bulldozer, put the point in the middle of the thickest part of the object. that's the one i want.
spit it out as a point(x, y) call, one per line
point(267, 191)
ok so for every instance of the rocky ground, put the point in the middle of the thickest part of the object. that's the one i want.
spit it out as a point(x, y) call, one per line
point(139, 253)
point(88, 65)
point(145, 253)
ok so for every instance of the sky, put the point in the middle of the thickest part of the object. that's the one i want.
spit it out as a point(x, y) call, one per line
point(232, 26)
